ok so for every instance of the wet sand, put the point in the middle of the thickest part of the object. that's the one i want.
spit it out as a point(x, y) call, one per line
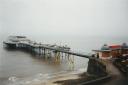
point(68, 79)
point(61, 77)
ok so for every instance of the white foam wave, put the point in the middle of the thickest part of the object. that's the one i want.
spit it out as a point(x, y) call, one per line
point(12, 78)
point(82, 69)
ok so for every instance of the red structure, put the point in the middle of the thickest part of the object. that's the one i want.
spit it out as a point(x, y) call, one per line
point(112, 51)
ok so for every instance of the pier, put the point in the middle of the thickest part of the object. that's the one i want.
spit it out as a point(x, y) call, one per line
point(23, 42)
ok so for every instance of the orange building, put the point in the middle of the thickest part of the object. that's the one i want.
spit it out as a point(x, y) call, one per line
point(112, 51)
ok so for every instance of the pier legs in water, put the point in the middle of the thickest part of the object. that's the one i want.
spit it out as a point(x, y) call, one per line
point(96, 68)
point(54, 56)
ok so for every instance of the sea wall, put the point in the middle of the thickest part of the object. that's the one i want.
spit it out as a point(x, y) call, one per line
point(96, 68)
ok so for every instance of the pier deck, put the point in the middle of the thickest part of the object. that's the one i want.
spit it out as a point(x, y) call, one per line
point(24, 42)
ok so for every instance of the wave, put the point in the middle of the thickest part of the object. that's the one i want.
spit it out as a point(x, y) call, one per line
point(40, 77)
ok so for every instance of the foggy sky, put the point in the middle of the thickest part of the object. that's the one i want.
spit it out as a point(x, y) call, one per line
point(64, 17)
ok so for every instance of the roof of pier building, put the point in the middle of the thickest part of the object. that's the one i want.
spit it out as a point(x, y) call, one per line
point(17, 38)
point(124, 46)
point(105, 47)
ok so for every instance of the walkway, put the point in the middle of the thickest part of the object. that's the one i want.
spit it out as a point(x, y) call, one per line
point(117, 77)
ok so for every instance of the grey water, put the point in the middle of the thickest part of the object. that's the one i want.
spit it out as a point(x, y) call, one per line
point(19, 65)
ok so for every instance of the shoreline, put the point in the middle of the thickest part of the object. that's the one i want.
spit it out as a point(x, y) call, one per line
point(60, 77)
point(81, 78)
point(84, 79)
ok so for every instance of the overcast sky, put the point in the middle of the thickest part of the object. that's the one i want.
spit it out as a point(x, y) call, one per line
point(64, 17)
